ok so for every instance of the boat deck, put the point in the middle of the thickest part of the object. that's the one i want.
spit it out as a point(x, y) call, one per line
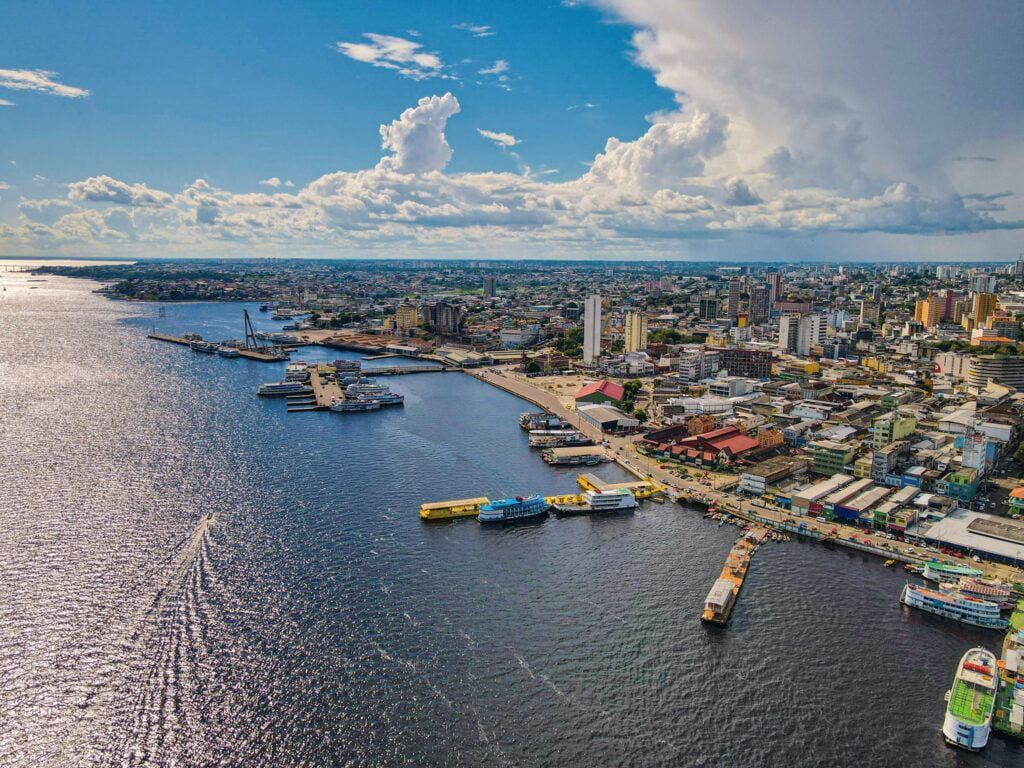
point(970, 703)
point(640, 488)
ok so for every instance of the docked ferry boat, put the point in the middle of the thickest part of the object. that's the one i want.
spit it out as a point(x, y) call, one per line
point(507, 510)
point(227, 352)
point(993, 591)
point(971, 701)
point(283, 388)
point(367, 387)
point(297, 371)
point(355, 406)
point(935, 571)
point(558, 439)
point(599, 501)
point(954, 605)
point(206, 347)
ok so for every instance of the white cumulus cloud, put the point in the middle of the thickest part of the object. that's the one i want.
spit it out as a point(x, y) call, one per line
point(39, 80)
point(104, 189)
point(274, 181)
point(417, 138)
point(636, 195)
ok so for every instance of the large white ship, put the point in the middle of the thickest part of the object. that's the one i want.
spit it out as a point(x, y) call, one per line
point(954, 605)
point(972, 699)
point(599, 501)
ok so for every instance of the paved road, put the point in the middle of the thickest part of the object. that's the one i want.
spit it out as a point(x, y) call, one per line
point(625, 449)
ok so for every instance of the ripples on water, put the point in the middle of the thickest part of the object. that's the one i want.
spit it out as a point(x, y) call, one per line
point(316, 621)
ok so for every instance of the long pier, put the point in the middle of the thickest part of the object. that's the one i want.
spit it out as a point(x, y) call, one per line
point(725, 591)
point(399, 370)
point(249, 354)
point(325, 392)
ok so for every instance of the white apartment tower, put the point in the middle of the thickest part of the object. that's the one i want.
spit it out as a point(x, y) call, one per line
point(592, 329)
point(798, 333)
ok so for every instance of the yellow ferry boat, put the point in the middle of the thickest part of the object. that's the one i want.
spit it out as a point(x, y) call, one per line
point(444, 510)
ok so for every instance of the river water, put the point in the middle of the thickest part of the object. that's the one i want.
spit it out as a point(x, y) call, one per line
point(316, 621)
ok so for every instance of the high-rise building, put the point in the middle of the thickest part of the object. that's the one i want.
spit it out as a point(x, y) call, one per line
point(983, 283)
point(984, 304)
point(696, 363)
point(592, 329)
point(445, 318)
point(789, 328)
point(733, 302)
point(407, 316)
point(707, 308)
point(869, 312)
point(801, 333)
point(928, 311)
point(760, 303)
point(636, 331)
point(488, 287)
point(775, 287)
point(947, 306)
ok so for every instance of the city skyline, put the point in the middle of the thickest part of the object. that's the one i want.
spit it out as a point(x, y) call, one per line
point(615, 129)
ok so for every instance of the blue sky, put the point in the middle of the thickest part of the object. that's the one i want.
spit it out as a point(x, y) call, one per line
point(237, 92)
point(615, 128)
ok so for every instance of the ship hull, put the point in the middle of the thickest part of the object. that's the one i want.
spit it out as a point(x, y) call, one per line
point(973, 738)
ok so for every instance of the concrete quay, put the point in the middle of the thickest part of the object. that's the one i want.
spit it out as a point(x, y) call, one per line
point(248, 354)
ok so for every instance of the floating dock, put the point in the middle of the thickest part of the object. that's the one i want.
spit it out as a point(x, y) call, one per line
point(722, 598)
point(642, 489)
point(246, 353)
point(583, 454)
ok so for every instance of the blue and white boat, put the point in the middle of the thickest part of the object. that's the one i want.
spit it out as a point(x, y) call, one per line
point(519, 508)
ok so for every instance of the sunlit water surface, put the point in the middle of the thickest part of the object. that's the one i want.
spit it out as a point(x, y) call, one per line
point(316, 621)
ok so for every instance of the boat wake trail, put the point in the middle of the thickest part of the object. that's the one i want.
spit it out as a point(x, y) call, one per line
point(152, 669)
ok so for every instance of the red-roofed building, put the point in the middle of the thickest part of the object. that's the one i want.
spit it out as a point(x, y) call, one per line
point(601, 392)
point(719, 446)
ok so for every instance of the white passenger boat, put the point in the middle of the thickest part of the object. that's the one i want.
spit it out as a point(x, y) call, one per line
point(971, 700)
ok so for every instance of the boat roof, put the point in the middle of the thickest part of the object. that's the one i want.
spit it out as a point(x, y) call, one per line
point(455, 503)
point(720, 592)
point(960, 570)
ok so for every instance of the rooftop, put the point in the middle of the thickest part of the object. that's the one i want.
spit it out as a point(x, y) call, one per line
point(957, 529)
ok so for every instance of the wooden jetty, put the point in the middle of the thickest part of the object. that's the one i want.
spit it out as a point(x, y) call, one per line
point(722, 598)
